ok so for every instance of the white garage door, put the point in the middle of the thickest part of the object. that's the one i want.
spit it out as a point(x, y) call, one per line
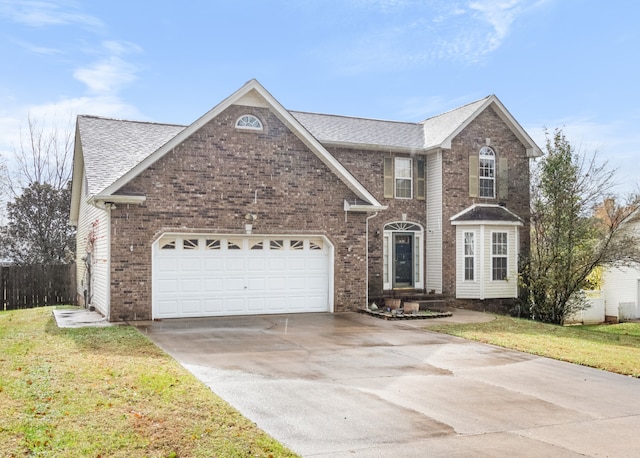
point(208, 275)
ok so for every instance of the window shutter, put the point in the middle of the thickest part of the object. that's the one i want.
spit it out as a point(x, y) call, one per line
point(503, 178)
point(420, 180)
point(388, 177)
point(474, 183)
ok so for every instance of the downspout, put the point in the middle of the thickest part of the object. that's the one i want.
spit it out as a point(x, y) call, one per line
point(366, 303)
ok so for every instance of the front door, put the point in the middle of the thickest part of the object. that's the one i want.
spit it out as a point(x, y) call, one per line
point(402, 260)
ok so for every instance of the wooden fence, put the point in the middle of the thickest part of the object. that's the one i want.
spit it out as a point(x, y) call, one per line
point(25, 287)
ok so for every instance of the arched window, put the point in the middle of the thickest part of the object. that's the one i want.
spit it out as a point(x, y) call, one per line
point(487, 172)
point(248, 122)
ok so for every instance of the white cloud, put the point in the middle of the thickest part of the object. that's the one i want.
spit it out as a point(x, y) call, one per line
point(110, 73)
point(499, 16)
point(36, 49)
point(107, 75)
point(414, 33)
point(39, 13)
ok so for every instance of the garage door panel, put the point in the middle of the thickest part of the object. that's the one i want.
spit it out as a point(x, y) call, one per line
point(213, 306)
point(213, 284)
point(257, 284)
point(277, 264)
point(276, 283)
point(191, 265)
point(277, 304)
point(167, 307)
point(191, 285)
point(284, 276)
point(235, 304)
point(191, 306)
point(168, 286)
point(235, 264)
point(167, 265)
point(297, 263)
point(256, 264)
point(256, 304)
point(235, 284)
point(213, 264)
point(297, 283)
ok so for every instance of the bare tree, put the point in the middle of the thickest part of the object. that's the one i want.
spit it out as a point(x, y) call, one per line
point(38, 196)
point(44, 155)
point(577, 225)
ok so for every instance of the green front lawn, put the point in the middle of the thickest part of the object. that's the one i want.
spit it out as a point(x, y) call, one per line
point(614, 348)
point(98, 392)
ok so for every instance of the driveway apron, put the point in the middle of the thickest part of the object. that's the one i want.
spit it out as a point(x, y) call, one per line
point(352, 385)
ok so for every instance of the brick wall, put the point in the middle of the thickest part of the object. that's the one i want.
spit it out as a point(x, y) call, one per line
point(367, 167)
point(211, 181)
point(456, 182)
point(208, 184)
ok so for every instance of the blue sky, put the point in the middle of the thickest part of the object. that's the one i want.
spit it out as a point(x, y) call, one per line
point(573, 64)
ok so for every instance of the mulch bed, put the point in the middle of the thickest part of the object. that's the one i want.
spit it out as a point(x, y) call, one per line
point(399, 315)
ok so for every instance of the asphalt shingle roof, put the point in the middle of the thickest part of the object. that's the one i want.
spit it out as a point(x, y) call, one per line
point(488, 213)
point(112, 147)
point(361, 131)
point(439, 128)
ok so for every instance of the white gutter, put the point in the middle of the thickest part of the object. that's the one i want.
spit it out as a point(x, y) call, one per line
point(366, 241)
point(100, 200)
point(363, 207)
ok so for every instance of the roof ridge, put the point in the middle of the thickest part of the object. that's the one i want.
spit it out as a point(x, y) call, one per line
point(457, 108)
point(106, 118)
point(353, 117)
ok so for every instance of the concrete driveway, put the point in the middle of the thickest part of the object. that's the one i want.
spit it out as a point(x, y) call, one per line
point(352, 385)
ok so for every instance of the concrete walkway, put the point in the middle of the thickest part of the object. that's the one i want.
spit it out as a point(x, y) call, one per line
point(345, 385)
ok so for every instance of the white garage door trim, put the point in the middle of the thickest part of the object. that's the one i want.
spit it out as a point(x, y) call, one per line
point(197, 275)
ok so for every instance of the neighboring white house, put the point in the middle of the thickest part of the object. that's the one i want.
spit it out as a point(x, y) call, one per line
point(621, 290)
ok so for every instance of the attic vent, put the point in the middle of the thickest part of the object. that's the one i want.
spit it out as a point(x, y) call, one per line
point(248, 122)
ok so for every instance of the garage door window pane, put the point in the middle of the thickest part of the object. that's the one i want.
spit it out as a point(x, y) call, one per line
point(213, 244)
point(297, 244)
point(315, 245)
point(234, 244)
point(276, 244)
point(168, 244)
point(190, 244)
point(257, 245)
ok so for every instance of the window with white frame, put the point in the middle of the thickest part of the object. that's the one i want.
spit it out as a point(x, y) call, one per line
point(499, 250)
point(469, 256)
point(403, 178)
point(248, 122)
point(487, 172)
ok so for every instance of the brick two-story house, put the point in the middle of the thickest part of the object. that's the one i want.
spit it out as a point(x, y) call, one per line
point(255, 209)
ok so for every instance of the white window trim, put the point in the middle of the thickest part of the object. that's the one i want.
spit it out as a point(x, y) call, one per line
point(472, 256)
point(487, 153)
point(505, 256)
point(396, 177)
point(249, 127)
point(387, 252)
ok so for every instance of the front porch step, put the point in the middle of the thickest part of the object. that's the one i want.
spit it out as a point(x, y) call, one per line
point(432, 302)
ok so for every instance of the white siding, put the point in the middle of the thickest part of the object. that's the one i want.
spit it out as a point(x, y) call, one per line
point(620, 286)
point(433, 233)
point(96, 220)
point(467, 289)
point(484, 287)
point(503, 288)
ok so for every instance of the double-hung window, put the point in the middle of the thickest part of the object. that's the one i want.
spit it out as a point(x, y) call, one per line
point(499, 250)
point(403, 178)
point(469, 256)
point(487, 172)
